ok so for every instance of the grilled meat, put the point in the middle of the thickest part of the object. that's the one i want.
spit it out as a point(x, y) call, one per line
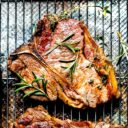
point(74, 66)
point(38, 117)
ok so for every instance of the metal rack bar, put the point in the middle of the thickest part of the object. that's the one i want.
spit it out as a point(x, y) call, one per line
point(71, 7)
point(55, 111)
point(87, 14)
point(87, 116)
point(103, 48)
point(71, 17)
point(63, 110)
point(24, 21)
point(54, 6)
point(47, 5)
point(95, 38)
point(39, 11)
point(111, 54)
point(23, 36)
point(79, 114)
point(7, 94)
point(14, 117)
point(127, 69)
point(119, 54)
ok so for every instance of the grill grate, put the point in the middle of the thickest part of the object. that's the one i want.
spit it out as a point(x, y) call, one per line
point(17, 18)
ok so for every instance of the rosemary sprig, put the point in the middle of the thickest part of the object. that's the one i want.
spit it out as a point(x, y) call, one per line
point(71, 68)
point(37, 90)
point(65, 14)
point(124, 49)
point(63, 44)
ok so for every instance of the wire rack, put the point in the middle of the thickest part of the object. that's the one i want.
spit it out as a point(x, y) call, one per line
point(17, 18)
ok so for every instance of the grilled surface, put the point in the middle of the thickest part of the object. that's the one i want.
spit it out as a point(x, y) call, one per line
point(92, 80)
point(38, 117)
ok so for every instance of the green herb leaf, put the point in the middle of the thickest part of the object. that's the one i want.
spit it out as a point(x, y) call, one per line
point(39, 94)
point(30, 93)
point(68, 37)
point(91, 81)
point(66, 61)
point(72, 68)
point(21, 88)
point(44, 82)
point(99, 87)
point(98, 37)
point(20, 84)
point(21, 78)
point(64, 67)
point(69, 47)
point(89, 66)
point(37, 80)
point(104, 79)
point(50, 50)
point(53, 26)
point(105, 10)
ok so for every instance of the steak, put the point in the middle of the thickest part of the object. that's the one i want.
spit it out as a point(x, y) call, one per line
point(38, 117)
point(75, 67)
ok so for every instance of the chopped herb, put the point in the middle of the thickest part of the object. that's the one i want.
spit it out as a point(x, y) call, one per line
point(99, 87)
point(98, 37)
point(103, 44)
point(96, 57)
point(53, 21)
point(106, 10)
point(106, 67)
point(90, 66)
point(104, 79)
point(91, 81)
point(53, 26)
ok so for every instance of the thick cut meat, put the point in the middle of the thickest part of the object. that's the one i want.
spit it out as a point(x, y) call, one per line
point(38, 117)
point(75, 67)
